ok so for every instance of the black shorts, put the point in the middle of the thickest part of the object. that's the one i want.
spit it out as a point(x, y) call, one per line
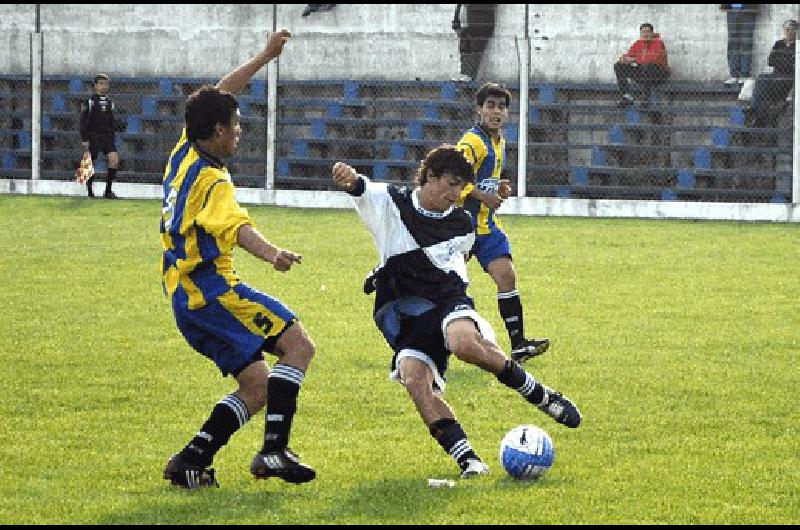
point(102, 144)
point(415, 327)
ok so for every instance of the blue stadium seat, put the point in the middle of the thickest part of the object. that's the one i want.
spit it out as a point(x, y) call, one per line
point(244, 106)
point(397, 151)
point(448, 91)
point(533, 114)
point(721, 137)
point(702, 158)
point(668, 195)
point(778, 198)
point(318, 128)
point(737, 116)
point(24, 139)
point(431, 111)
point(300, 148)
point(579, 176)
point(512, 133)
point(283, 167)
point(46, 123)
point(75, 85)
point(134, 124)
point(351, 89)
point(149, 106)
point(258, 89)
point(547, 93)
point(335, 110)
point(380, 171)
point(632, 116)
point(9, 160)
point(415, 130)
point(59, 103)
point(616, 135)
point(598, 156)
point(165, 87)
point(563, 192)
point(686, 179)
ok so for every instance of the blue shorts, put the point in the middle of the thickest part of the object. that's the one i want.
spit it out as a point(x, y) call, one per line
point(491, 246)
point(233, 329)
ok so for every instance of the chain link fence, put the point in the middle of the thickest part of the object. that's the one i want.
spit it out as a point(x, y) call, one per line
point(598, 126)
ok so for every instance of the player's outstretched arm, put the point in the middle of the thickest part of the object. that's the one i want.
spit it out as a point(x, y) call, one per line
point(235, 81)
point(253, 242)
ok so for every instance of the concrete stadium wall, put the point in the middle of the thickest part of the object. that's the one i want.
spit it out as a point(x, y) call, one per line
point(390, 41)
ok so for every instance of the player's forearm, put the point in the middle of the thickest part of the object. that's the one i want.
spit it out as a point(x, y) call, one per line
point(253, 242)
point(236, 80)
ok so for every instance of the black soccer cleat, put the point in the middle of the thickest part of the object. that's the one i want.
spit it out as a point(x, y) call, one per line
point(184, 475)
point(561, 409)
point(284, 464)
point(529, 348)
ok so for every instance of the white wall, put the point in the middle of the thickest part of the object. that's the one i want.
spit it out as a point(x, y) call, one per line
point(389, 41)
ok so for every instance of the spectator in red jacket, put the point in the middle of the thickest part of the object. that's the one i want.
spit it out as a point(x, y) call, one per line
point(645, 62)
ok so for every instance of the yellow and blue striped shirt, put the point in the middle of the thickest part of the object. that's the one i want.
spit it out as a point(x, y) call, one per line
point(200, 220)
point(487, 157)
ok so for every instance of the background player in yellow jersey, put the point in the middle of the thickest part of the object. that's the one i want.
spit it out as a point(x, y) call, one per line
point(219, 316)
point(485, 148)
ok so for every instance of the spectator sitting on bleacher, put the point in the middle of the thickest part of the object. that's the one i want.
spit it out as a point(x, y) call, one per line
point(97, 131)
point(645, 62)
point(771, 89)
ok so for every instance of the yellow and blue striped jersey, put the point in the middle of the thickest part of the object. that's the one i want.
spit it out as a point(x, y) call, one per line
point(487, 157)
point(200, 220)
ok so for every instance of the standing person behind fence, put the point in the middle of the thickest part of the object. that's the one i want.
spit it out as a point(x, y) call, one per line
point(474, 33)
point(772, 89)
point(484, 147)
point(97, 131)
point(741, 20)
point(645, 62)
point(421, 302)
point(219, 316)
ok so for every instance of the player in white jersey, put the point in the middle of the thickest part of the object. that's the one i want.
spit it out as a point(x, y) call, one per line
point(421, 303)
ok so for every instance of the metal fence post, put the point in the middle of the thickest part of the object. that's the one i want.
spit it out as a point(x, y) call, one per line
point(522, 142)
point(796, 140)
point(36, 103)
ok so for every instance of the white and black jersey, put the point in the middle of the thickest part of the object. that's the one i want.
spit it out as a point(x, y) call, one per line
point(421, 283)
point(421, 252)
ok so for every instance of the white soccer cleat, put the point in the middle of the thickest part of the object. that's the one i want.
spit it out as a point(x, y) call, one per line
point(474, 468)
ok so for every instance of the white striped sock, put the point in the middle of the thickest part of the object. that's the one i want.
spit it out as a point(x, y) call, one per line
point(238, 407)
point(288, 373)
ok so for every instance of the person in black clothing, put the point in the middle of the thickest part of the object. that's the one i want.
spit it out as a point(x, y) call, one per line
point(97, 131)
point(773, 88)
point(473, 34)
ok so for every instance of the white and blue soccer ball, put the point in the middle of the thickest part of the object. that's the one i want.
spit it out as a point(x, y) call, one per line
point(527, 452)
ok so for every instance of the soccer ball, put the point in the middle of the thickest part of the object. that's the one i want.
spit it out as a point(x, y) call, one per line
point(527, 452)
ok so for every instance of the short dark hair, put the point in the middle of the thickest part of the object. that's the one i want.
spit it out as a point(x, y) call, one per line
point(98, 77)
point(445, 159)
point(647, 25)
point(492, 89)
point(205, 108)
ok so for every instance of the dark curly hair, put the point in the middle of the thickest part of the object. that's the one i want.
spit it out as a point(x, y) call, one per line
point(445, 159)
point(205, 108)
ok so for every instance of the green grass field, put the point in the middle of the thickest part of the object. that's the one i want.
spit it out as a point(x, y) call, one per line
point(679, 341)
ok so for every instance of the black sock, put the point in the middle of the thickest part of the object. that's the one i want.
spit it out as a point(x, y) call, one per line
point(511, 310)
point(228, 416)
point(514, 376)
point(453, 439)
point(112, 174)
point(282, 389)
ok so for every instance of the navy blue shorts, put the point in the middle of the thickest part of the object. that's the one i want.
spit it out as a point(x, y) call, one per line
point(491, 246)
point(235, 328)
